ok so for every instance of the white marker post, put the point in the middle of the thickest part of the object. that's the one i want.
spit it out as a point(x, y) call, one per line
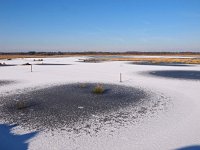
point(120, 76)
point(31, 68)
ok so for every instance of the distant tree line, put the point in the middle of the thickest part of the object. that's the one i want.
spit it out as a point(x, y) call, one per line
point(99, 53)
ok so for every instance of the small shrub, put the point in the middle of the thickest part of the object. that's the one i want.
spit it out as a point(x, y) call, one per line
point(21, 105)
point(27, 64)
point(98, 89)
point(38, 60)
point(83, 85)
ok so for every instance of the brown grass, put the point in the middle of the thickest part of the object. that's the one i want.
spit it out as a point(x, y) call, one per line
point(30, 56)
point(83, 85)
point(98, 89)
point(12, 56)
point(151, 60)
point(161, 60)
point(21, 105)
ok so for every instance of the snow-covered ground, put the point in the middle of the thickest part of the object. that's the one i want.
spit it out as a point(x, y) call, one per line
point(144, 56)
point(175, 127)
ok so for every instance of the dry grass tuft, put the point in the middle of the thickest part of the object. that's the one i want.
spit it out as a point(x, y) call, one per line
point(82, 85)
point(21, 105)
point(98, 89)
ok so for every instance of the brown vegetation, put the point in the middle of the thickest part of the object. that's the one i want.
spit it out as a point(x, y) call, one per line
point(196, 60)
point(34, 54)
point(161, 60)
point(29, 56)
point(21, 105)
point(98, 89)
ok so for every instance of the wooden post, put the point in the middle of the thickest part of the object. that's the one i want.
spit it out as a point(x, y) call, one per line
point(31, 68)
point(120, 77)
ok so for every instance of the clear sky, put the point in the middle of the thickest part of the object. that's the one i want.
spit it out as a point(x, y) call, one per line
point(99, 25)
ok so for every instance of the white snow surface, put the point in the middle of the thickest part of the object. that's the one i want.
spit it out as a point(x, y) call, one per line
point(176, 127)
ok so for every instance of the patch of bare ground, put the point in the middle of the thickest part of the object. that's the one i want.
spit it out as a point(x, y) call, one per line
point(67, 105)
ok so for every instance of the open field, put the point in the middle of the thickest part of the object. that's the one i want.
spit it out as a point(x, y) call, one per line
point(31, 56)
point(161, 60)
point(152, 59)
point(47, 55)
point(112, 104)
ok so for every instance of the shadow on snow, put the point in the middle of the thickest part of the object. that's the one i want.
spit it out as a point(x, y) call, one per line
point(195, 147)
point(10, 141)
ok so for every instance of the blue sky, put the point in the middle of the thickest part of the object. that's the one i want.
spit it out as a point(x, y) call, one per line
point(99, 25)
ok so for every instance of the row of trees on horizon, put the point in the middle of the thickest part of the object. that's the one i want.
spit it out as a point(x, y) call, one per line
point(99, 53)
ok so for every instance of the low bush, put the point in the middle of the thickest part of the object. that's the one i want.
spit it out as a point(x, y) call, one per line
point(83, 85)
point(98, 89)
point(38, 60)
point(27, 64)
point(21, 105)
